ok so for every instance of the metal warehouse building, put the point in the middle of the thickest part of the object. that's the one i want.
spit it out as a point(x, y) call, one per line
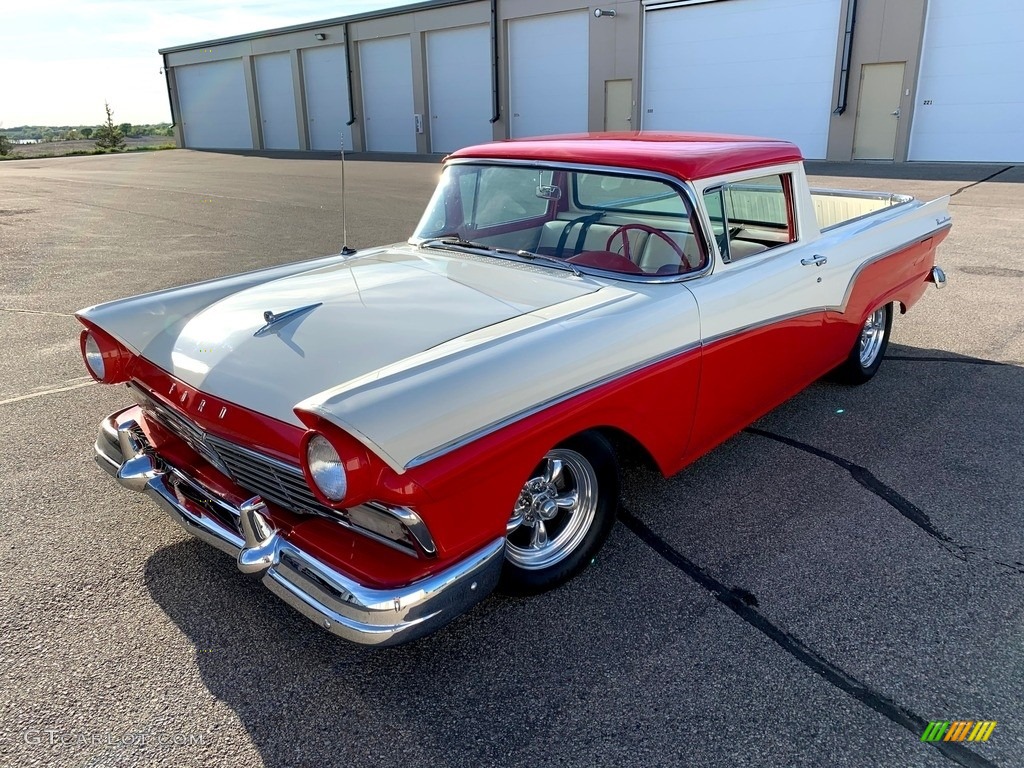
point(844, 79)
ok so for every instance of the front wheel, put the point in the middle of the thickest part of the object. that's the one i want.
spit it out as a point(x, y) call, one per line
point(564, 513)
point(867, 353)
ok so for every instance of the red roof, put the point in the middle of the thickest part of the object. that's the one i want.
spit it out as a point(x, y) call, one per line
point(684, 155)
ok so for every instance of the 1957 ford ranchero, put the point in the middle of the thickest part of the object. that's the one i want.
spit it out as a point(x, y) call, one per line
point(385, 436)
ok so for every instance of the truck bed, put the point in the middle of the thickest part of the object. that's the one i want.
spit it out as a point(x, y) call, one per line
point(833, 207)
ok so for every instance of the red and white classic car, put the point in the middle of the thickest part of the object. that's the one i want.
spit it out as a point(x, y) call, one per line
point(385, 436)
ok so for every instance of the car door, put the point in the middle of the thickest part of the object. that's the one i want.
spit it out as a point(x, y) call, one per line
point(762, 308)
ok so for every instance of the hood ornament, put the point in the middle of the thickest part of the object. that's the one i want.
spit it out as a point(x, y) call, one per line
point(271, 319)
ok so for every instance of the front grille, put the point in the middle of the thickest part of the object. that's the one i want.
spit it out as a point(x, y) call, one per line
point(274, 480)
point(178, 424)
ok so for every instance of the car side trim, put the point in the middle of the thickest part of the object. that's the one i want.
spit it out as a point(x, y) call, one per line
point(466, 439)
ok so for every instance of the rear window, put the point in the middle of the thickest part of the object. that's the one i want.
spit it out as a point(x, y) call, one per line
point(602, 191)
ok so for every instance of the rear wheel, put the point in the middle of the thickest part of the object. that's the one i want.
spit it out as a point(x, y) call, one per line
point(867, 353)
point(564, 514)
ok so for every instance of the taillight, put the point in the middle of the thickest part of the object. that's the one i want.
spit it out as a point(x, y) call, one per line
point(105, 359)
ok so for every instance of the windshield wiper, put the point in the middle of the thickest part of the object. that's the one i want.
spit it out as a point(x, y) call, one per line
point(460, 242)
point(454, 239)
point(550, 259)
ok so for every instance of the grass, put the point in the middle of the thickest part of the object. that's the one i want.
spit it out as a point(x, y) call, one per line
point(82, 152)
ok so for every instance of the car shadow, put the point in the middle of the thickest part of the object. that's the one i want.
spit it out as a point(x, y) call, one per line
point(489, 684)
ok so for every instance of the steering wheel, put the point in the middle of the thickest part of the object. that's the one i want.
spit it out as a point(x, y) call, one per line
point(642, 228)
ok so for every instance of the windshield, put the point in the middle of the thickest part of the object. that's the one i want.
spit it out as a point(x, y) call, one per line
point(605, 221)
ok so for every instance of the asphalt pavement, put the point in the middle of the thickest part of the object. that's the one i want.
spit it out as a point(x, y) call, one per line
point(811, 593)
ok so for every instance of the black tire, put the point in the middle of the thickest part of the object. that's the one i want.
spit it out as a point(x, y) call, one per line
point(589, 468)
point(868, 350)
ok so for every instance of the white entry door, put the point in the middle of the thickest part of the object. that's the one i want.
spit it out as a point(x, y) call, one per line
point(878, 111)
point(386, 67)
point(549, 73)
point(459, 87)
point(325, 71)
point(276, 93)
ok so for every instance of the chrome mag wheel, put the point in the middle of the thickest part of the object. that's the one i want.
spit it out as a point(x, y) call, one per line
point(554, 512)
point(872, 336)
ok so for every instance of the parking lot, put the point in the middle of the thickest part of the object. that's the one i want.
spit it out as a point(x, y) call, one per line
point(811, 593)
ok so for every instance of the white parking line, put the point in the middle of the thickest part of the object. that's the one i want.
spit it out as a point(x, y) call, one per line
point(46, 392)
point(36, 312)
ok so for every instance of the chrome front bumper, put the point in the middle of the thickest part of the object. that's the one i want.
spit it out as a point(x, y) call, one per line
point(323, 594)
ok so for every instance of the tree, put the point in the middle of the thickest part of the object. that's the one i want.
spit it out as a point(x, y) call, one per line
point(86, 132)
point(108, 135)
point(125, 128)
point(6, 145)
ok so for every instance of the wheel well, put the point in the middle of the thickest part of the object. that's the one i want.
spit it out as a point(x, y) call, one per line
point(628, 450)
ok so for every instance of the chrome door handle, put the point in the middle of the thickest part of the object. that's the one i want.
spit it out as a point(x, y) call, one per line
point(815, 260)
point(896, 113)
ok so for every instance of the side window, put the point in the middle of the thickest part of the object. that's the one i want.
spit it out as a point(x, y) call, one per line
point(504, 195)
point(754, 215)
point(716, 214)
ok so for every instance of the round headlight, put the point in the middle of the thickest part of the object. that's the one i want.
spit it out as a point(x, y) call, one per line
point(93, 356)
point(326, 468)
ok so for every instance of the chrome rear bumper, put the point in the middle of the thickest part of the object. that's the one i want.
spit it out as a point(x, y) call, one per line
point(323, 594)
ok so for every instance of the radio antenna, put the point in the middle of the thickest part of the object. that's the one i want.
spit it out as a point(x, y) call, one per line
point(345, 250)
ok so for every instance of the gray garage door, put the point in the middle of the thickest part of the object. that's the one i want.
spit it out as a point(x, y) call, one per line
point(549, 73)
point(325, 71)
point(459, 87)
point(970, 94)
point(214, 105)
point(386, 66)
point(276, 91)
point(756, 67)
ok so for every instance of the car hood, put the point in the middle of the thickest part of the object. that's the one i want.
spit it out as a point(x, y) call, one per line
point(360, 315)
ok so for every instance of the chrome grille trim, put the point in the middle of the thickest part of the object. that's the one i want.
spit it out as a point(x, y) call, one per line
point(279, 482)
point(180, 425)
point(282, 483)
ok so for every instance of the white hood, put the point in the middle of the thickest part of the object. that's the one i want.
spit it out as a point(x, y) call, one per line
point(374, 311)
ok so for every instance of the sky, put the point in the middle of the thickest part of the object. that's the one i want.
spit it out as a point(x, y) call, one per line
point(61, 59)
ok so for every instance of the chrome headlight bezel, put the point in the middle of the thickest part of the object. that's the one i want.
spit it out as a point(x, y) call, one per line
point(326, 468)
point(93, 356)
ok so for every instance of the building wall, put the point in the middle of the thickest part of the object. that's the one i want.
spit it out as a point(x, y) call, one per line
point(885, 31)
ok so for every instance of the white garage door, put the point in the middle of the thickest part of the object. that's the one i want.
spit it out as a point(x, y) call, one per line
point(386, 67)
point(325, 72)
point(276, 94)
point(459, 87)
point(756, 67)
point(970, 93)
point(549, 73)
point(214, 105)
